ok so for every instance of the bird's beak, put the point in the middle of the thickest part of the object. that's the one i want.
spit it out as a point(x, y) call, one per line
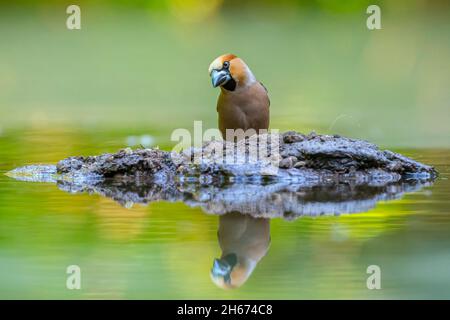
point(220, 77)
point(220, 268)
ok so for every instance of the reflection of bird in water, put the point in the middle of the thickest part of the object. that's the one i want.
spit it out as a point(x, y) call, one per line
point(244, 241)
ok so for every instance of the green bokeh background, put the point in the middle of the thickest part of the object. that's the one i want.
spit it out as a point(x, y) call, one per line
point(142, 65)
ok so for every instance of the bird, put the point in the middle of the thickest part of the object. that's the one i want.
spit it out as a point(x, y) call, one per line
point(244, 241)
point(243, 102)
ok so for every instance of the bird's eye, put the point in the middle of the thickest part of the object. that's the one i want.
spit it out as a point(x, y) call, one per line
point(226, 64)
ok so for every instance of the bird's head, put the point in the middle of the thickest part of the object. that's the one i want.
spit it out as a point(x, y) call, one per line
point(230, 72)
point(230, 272)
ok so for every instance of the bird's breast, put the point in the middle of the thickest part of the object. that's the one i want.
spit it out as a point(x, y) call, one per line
point(244, 109)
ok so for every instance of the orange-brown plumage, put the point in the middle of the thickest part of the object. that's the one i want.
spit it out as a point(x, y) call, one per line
point(243, 102)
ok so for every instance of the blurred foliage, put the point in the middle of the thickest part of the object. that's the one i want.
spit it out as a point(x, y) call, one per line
point(325, 72)
point(331, 5)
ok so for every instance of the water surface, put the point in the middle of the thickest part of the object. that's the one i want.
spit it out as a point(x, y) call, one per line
point(167, 250)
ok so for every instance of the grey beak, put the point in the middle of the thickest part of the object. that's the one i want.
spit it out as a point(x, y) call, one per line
point(220, 77)
point(220, 268)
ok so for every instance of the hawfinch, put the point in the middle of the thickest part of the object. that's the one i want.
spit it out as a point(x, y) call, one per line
point(244, 241)
point(243, 101)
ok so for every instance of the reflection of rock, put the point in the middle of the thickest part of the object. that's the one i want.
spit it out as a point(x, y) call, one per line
point(331, 194)
point(37, 173)
point(293, 201)
point(244, 241)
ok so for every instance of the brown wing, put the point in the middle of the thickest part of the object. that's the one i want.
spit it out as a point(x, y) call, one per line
point(267, 91)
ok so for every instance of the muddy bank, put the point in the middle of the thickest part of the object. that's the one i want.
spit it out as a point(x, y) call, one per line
point(297, 157)
point(315, 175)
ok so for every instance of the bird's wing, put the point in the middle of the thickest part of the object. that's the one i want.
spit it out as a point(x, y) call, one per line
point(263, 86)
point(267, 91)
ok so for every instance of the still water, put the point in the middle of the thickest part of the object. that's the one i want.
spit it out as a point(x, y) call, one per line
point(168, 249)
